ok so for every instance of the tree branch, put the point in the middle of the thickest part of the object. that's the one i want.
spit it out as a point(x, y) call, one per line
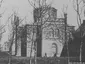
point(32, 4)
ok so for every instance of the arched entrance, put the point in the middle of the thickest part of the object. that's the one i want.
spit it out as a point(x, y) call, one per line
point(55, 47)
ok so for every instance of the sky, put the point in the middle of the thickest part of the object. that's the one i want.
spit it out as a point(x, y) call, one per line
point(23, 8)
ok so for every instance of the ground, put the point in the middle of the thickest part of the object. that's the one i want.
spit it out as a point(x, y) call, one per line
point(25, 60)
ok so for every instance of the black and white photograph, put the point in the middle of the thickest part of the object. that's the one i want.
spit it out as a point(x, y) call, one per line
point(42, 31)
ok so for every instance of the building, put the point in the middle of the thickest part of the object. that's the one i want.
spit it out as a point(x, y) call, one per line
point(47, 34)
point(46, 12)
point(50, 35)
point(75, 43)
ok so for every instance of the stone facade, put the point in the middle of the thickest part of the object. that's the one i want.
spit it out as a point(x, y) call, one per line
point(51, 33)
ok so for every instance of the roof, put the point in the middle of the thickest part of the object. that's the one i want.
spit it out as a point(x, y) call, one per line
point(74, 45)
point(80, 29)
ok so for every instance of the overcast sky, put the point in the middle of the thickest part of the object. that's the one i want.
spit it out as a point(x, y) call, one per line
point(25, 9)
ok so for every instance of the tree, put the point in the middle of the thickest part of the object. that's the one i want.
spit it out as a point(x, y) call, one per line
point(14, 34)
point(41, 13)
point(15, 31)
point(78, 7)
point(45, 18)
point(1, 26)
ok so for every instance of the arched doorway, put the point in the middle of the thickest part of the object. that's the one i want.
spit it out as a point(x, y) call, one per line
point(55, 47)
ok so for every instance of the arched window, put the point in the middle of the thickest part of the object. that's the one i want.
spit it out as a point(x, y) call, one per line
point(54, 45)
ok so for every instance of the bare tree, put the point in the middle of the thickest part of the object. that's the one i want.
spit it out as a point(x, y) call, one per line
point(79, 9)
point(15, 32)
point(44, 23)
point(1, 26)
point(41, 14)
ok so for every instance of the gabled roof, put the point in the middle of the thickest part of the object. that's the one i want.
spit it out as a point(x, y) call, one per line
point(80, 29)
point(74, 45)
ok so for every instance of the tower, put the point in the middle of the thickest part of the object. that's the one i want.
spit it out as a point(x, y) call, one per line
point(24, 41)
point(39, 41)
point(41, 15)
